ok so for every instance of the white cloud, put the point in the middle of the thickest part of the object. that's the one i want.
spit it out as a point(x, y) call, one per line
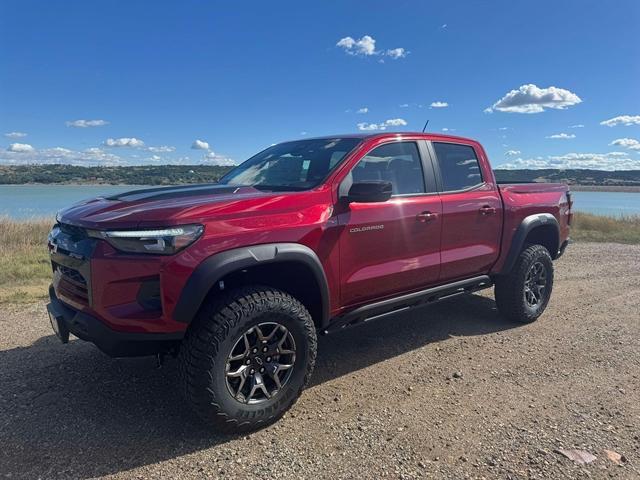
point(532, 99)
point(15, 134)
point(395, 122)
point(86, 123)
point(365, 127)
point(577, 126)
point(161, 149)
point(97, 156)
point(363, 110)
point(47, 156)
point(444, 25)
point(20, 148)
point(397, 53)
point(511, 153)
point(215, 159)
point(597, 161)
point(392, 122)
point(404, 105)
point(364, 46)
point(130, 142)
point(626, 120)
point(630, 143)
point(562, 136)
point(445, 129)
point(438, 105)
point(503, 128)
point(200, 145)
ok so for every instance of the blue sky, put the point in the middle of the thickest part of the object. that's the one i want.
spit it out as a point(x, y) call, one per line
point(107, 82)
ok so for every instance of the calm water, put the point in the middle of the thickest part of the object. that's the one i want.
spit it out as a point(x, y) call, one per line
point(607, 203)
point(26, 201)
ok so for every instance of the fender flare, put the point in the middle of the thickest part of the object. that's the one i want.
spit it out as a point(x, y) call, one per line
point(525, 227)
point(217, 266)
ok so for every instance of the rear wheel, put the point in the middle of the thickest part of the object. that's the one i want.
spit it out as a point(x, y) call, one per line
point(524, 293)
point(247, 357)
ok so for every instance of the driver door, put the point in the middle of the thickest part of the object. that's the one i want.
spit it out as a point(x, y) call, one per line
point(388, 248)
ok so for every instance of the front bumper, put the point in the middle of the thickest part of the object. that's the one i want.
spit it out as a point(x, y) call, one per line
point(115, 344)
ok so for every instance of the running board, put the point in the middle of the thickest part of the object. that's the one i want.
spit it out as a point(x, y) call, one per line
point(404, 302)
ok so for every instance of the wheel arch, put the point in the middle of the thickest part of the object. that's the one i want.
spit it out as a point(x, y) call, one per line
point(541, 229)
point(292, 267)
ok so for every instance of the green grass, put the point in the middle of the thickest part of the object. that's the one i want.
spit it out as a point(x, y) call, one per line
point(25, 271)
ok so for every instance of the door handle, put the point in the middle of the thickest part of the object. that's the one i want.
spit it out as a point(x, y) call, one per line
point(487, 210)
point(425, 217)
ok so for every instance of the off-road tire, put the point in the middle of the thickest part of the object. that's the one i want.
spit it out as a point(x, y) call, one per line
point(210, 340)
point(510, 288)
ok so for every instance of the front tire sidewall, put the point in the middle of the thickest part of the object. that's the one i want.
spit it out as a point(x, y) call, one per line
point(210, 340)
point(276, 406)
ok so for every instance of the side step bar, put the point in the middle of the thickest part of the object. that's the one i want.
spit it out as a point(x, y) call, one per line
point(404, 302)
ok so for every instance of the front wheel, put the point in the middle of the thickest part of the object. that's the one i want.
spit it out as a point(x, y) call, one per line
point(524, 293)
point(247, 357)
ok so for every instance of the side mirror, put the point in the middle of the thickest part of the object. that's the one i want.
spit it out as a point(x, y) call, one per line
point(370, 191)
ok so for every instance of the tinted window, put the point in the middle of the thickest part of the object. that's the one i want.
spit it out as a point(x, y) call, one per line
point(292, 165)
point(459, 166)
point(398, 163)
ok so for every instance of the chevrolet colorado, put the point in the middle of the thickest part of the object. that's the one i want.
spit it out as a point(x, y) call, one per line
point(312, 235)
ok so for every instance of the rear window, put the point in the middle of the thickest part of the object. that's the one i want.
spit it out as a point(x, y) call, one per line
point(459, 167)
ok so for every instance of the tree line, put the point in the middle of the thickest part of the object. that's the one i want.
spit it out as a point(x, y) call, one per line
point(181, 174)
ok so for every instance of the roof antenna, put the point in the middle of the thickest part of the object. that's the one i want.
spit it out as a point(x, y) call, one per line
point(425, 126)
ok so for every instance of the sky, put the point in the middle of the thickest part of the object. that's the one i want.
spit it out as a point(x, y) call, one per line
point(540, 84)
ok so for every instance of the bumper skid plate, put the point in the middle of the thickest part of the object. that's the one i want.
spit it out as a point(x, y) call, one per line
point(57, 323)
point(65, 320)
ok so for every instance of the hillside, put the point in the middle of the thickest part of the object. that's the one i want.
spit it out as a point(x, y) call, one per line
point(572, 177)
point(177, 174)
point(135, 175)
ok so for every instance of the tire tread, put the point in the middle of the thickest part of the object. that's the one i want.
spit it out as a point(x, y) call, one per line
point(508, 290)
point(213, 324)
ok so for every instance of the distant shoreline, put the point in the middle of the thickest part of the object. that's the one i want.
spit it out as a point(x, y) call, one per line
point(605, 188)
point(88, 184)
point(575, 187)
point(159, 175)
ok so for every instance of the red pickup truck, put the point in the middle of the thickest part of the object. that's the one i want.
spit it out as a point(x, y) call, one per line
point(307, 236)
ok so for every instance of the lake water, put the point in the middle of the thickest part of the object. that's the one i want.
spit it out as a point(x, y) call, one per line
point(28, 201)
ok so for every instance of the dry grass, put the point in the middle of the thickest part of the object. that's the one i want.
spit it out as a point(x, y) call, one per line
point(595, 228)
point(25, 271)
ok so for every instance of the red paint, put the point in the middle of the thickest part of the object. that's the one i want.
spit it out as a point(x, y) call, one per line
point(462, 234)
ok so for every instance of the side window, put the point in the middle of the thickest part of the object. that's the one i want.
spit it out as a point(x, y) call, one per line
point(459, 167)
point(398, 163)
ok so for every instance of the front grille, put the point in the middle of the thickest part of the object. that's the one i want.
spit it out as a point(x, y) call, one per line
point(72, 284)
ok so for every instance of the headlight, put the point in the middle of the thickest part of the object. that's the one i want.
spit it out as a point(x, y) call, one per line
point(163, 241)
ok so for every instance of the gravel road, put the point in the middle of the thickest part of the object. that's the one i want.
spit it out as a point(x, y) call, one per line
point(446, 391)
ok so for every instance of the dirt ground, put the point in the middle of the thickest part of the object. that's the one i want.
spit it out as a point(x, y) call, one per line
point(447, 391)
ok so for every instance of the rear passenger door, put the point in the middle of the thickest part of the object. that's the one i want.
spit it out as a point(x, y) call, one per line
point(471, 211)
point(391, 247)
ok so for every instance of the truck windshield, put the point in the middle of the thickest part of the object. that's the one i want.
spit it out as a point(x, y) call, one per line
point(299, 165)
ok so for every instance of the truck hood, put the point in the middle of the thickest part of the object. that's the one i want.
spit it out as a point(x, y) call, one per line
point(162, 206)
